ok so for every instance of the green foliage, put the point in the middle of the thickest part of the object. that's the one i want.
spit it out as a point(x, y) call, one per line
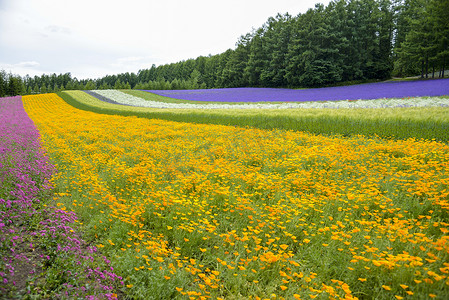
point(2, 83)
point(423, 43)
point(11, 85)
point(90, 85)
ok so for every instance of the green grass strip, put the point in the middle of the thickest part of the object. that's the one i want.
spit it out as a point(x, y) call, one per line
point(431, 123)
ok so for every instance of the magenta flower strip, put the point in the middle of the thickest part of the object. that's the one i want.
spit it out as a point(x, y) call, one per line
point(35, 237)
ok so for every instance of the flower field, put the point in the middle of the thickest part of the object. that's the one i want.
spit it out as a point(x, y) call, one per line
point(392, 89)
point(203, 211)
point(41, 253)
point(118, 97)
point(428, 121)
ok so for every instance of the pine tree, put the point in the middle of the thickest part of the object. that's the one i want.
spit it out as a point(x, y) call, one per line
point(257, 59)
point(15, 86)
point(3, 83)
point(118, 85)
point(90, 85)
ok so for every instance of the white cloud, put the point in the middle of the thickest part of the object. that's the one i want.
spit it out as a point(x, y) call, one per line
point(102, 36)
point(58, 29)
point(29, 64)
point(22, 68)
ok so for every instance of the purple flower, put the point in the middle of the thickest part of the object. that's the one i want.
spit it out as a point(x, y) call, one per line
point(26, 172)
point(390, 89)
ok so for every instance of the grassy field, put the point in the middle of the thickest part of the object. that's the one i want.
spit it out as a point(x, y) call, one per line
point(403, 123)
point(204, 211)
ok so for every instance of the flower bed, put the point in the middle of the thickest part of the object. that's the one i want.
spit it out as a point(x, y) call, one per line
point(126, 99)
point(391, 89)
point(41, 253)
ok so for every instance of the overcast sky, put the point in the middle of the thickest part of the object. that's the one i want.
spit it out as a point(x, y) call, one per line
point(94, 38)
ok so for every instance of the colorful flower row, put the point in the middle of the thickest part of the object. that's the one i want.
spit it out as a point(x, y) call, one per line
point(36, 236)
point(379, 90)
point(116, 96)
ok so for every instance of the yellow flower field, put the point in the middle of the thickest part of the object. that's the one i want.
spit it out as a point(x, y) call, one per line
point(207, 212)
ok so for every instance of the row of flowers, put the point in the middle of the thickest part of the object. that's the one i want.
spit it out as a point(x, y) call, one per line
point(41, 252)
point(198, 211)
point(376, 90)
point(126, 99)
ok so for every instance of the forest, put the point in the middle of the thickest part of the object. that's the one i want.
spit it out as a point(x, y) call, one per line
point(347, 41)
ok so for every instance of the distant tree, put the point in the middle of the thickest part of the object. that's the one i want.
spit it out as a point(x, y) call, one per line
point(257, 58)
point(69, 85)
point(194, 79)
point(439, 17)
point(220, 65)
point(3, 83)
point(104, 86)
point(90, 85)
point(232, 74)
point(118, 85)
point(211, 69)
point(319, 60)
point(175, 84)
point(164, 84)
point(36, 89)
point(277, 39)
point(15, 85)
point(424, 45)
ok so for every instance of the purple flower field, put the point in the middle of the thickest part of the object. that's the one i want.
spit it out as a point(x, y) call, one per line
point(391, 89)
point(35, 237)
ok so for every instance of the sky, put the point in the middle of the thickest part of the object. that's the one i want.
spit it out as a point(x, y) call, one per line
point(95, 38)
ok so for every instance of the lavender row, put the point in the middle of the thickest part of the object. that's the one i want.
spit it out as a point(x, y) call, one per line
point(391, 89)
point(34, 236)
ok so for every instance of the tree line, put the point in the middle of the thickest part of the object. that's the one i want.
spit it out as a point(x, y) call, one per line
point(345, 41)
